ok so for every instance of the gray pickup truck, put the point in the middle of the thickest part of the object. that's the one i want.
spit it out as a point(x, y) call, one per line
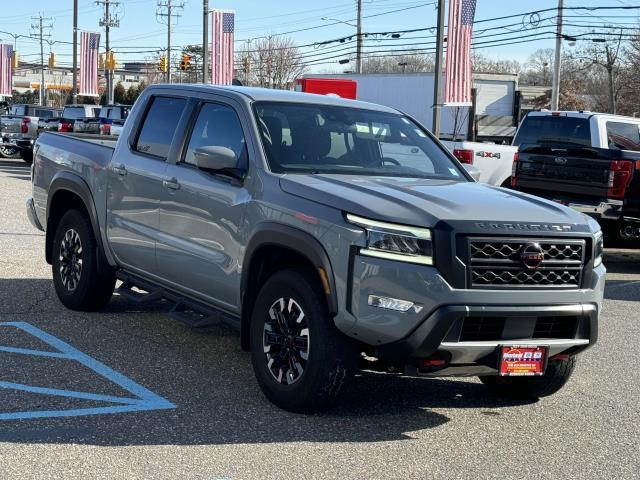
point(335, 235)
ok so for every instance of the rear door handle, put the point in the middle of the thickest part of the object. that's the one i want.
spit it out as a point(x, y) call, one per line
point(171, 183)
point(120, 169)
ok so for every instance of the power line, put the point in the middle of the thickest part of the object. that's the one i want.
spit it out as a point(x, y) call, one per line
point(42, 33)
point(108, 21)
point(164, 14)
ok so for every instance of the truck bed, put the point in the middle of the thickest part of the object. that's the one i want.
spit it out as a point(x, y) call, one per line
point(87, 155)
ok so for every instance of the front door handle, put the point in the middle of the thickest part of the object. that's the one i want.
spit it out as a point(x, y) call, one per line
point(120, 169)
point(171, 183)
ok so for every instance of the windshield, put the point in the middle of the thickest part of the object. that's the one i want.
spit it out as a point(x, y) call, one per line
point(553, 129)
point(313, 138)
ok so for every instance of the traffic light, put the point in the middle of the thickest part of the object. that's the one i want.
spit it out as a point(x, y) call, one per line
point(15, 60)
point(101, 61)
point(185, 64)
point(111, 61)
point(52, 60)
point(162, 64)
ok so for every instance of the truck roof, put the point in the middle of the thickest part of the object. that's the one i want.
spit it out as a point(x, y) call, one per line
point(274, 95)
point(579, 114)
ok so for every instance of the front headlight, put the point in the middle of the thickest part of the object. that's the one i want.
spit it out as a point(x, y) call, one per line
point(598, 249)
point(395, 242)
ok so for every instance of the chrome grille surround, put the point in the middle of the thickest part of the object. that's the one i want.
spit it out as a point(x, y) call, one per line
point(496, 263)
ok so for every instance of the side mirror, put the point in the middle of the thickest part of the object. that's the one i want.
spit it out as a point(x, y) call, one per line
point(215, 158)
point(472, 170)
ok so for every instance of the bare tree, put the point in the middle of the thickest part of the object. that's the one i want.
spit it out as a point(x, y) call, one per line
point(272, 62)
point(608, 54)
point(401, 63)
point(483, 64)
point(538, 67)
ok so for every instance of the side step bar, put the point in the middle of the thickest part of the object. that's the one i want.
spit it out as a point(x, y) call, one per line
point(190, 312)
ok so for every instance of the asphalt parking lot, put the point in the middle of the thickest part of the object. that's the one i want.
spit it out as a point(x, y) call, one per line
point(145, 397)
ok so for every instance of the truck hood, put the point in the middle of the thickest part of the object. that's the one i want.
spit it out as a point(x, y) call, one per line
point(424, 202)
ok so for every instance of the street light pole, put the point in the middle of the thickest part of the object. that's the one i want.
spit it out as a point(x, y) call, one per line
point(205, 41)
point(74, 87)
point(437, 76)
point(555, 87)
point(359, 39)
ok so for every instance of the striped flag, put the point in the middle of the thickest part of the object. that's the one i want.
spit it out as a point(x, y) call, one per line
point(457, 88)
point(6, 69)
point(222, 47)
point(89, 52)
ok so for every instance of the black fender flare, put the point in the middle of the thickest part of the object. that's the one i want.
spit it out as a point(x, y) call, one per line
point(71, 182)
point(276, 234)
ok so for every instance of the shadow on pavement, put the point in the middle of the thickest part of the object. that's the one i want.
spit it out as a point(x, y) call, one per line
point(209, 379)
point(15, 168)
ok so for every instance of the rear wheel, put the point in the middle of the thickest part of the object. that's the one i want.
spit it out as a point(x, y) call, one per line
point(9, 152)
point(557, 374)
point(78, 281)
point(300, 359)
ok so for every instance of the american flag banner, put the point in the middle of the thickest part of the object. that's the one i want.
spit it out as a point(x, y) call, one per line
point(222, 47)
point(458, 81)
point(89, 52)
point(6, 69)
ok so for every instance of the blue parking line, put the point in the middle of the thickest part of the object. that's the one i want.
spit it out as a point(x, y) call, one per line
point(35, 353)
point(145, 399)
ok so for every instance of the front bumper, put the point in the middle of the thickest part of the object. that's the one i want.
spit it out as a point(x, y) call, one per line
point(445, 335)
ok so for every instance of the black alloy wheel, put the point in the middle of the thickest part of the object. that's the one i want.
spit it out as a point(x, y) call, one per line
point(82, 278)
point(286, 341)
point(71, 259)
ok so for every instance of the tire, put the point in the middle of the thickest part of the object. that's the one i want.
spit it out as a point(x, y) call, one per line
point(10, 152)
point(557, 374)
point(79, 283)
point(331, 358)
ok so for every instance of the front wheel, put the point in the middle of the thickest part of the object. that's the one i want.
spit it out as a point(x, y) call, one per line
point(557, 374)
point(78, 281)
point(300, 359)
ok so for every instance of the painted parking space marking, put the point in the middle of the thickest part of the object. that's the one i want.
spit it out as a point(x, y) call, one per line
point(141, 400)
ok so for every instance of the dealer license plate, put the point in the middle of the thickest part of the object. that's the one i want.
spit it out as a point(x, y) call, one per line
point(522, 360)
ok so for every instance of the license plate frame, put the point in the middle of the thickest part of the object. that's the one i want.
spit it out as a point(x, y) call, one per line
point(522, 360)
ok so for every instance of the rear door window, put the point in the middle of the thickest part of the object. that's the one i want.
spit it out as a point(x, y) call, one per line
point(623, 136)
point(160, 125)
point(553, 129)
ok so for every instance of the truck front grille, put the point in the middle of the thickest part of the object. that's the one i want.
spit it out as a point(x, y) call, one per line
point(507, 263)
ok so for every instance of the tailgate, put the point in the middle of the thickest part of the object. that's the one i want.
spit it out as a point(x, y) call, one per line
point(10, 124)
point(571, 171)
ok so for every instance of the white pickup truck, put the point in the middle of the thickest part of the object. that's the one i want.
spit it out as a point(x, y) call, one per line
point(494, 161)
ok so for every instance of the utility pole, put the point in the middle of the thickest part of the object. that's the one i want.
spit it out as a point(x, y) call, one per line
point(437, 75)
point(359, 38)
point(555, 87)
point(40, 27)
point(109, 21)
point(164, 14)
point(205, 41)
point(74, 87)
